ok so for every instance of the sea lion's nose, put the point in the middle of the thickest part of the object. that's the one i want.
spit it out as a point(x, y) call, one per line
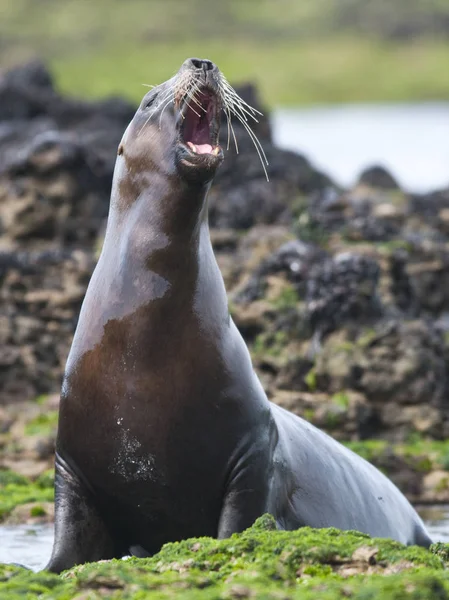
point(200, 63)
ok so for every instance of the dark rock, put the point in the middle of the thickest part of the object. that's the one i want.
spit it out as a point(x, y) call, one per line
point(343, 289)
point(378, 177)
point(394, 363)
point(42, 294)
point(56, 159)
point(401, 285)
point(241, 195)
point(294, 259)
point(26, 92)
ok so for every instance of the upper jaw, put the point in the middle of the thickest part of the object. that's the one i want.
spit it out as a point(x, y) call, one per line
point(198, 128)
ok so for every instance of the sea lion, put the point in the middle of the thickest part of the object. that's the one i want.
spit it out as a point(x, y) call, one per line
point(164, 429)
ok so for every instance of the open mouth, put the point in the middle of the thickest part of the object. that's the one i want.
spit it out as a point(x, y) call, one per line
point(200, 124)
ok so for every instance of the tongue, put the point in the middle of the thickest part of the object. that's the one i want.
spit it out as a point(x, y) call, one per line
point(203, 148)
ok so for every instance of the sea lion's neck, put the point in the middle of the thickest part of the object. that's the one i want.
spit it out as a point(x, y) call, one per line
point(159, 228)
point(156, 267)
point(154, 206)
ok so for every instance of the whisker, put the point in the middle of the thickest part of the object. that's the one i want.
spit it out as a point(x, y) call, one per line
point(228, 118)
point(234, 94)
point(228, 114)
point(234, 105)
point(257, 145)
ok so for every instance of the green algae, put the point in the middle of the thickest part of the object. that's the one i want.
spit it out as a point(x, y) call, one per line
point(262, 562)
point(269, 344)
point(44, 424)
point(341, 399)
point(311, 379)
point(16, 489)
point(288, 298)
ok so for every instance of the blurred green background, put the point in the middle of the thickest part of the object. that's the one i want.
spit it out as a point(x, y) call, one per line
point(298, 51)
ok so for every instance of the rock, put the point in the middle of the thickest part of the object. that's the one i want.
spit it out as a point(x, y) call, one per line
point(343, 289)
point(27, 467)
point(294, 259)
point(436, 486)
point(388, 211)
point(31, 513)
point(241, 196)
point(378, 177)
point(43, 292)
point(394, 365)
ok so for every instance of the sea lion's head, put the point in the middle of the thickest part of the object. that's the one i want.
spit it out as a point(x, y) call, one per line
point(176, 127)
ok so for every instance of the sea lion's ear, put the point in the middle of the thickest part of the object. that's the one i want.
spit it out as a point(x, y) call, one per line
point(121, 146)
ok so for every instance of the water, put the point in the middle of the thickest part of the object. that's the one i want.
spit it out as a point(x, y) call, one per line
point(31, 545)
point(411, 141)
point(436, 519)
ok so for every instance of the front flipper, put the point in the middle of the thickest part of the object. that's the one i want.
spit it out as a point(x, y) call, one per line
point(81, 534)
point(239, 512)
point(248, 492)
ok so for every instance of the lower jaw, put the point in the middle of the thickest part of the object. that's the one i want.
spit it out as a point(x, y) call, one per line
point(199, 169)
point(205, 159)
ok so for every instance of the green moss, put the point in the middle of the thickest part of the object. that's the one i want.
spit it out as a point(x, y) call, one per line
point(366, 337)
point(16, 490)
point(309, 231)
point(41, 399)
point(269, 344)
point(309, 414)
point(422, 464)
point(8, 477)
point(333, 420)
point(392, 245)
point(443, 460)
point(310, 379)
point(43, 424)
point(37, 511)
point(345, 346)
point(370, 450)
point(47, 479)
point(288, 298)
point(442, 485)
point(420, 454)
point(442, 550)
point(259, 563)
point(341, 399)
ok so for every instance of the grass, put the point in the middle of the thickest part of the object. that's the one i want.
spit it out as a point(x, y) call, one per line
point(290, 49)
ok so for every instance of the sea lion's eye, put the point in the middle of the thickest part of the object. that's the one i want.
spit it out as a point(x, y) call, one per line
point(150, 102)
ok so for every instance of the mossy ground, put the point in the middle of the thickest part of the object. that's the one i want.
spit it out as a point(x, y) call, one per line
point(260, 562)
point(296, 51)
point(16, 489)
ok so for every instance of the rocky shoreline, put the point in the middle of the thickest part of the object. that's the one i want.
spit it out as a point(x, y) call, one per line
point(341, 295)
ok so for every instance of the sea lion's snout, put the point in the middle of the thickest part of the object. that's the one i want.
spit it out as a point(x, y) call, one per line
point(203, 64)
point(179, 122)
point(198, 100)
